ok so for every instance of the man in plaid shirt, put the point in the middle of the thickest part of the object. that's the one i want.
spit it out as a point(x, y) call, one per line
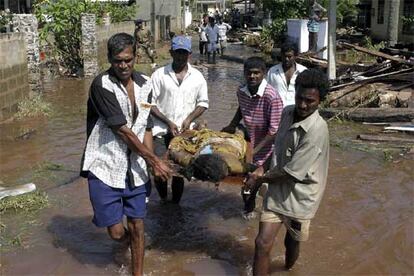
point(260, 107)
point(119, 147)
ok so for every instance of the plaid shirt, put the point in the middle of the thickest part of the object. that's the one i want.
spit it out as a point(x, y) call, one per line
point(261, 115)
point(106, 155)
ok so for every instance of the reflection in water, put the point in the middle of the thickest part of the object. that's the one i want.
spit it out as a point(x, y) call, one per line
point(364, 225)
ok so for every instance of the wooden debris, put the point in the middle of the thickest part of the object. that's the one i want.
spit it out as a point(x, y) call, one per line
point(374, 53)
point(383, 138)
point(378, 77)
point(408, 128)
point(370, 114)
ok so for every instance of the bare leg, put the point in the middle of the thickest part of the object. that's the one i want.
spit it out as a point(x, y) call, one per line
point(177, 187)
point(118, 232)
point(162, 188)
point(136, 228)
point(292, 251)
point(264, 243)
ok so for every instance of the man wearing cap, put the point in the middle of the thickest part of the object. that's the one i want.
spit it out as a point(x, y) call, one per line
point(144, 39)
point(180, 96)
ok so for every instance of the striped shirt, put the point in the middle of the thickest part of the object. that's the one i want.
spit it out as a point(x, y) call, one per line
point(261, 115)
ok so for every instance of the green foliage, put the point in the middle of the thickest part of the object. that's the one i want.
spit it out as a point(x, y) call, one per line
point(27, 203)
point(346, 11)
point(5, 20)
point(367, 43)
point(407, 19)
point(282, 10)
point(32, 107)
point(62, 19)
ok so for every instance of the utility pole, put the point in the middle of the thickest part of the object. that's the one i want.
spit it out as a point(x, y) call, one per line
point(332, 40)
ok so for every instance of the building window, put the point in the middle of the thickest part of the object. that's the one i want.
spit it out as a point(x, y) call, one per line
point(408, 18)
point(380, 17)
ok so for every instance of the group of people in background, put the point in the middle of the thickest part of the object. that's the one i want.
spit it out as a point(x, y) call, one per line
point(131, 119)
point(213, 36)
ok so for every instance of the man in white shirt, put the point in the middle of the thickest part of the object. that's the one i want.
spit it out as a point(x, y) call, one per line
point(180, 96)
point(282, 76)
point(223, 27)
point(203, 37)
point(212, 32)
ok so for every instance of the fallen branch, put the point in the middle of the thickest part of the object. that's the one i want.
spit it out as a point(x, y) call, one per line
point(374, 53)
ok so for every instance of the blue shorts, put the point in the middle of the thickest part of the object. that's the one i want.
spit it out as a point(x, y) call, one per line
point(110, 204)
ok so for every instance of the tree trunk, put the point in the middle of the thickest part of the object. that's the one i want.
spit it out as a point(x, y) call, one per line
point(393, 21)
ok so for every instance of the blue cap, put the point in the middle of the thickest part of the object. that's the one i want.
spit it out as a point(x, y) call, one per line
point(181, 42)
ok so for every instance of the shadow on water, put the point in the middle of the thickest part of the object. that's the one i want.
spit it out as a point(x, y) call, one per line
point(207, 223)
point(86, 243)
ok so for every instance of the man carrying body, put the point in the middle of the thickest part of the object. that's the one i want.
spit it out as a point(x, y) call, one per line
point(119, 147)
point(223, 27)
point(260, 107)
point(282, 76)
point(180, 97)
point(144, 41)
point(297, 175)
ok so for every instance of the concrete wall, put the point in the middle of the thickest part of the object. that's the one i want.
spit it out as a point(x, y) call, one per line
point(27, 25)
point(94, 42)
point(158, 13)
point(14, 85)
point(380, 31)
point(103, 33)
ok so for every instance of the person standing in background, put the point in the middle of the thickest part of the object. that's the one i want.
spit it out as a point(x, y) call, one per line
point(223, 28)
point(212, 32)
point(202, 35)
point(315, 16)
point(282, 76)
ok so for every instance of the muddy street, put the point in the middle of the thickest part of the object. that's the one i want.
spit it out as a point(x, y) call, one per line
point(364, 225)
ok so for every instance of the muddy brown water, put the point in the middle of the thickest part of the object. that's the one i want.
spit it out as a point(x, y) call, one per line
point(364, 225)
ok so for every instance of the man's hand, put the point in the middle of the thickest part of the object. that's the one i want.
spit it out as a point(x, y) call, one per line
point(252, 181)
point(229, 129)
point(173, 129)
point(185, 125)
point(161, 169)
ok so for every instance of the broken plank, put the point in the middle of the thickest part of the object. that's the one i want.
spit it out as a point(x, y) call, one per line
point(370, 114)
point(371, 79)
point(409, 128)
point(383, 138)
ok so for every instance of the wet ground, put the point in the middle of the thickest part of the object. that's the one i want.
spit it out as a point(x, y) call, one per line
point(364, 225)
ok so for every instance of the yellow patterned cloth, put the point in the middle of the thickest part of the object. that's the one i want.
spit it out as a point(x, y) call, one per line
point(232, 147)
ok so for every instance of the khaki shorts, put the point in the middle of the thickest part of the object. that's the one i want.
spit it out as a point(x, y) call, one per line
point(297, 228)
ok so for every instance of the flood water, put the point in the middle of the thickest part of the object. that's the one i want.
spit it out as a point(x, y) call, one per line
point(364, 224)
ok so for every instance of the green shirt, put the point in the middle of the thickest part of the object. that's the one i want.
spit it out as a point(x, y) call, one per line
point(302, 151)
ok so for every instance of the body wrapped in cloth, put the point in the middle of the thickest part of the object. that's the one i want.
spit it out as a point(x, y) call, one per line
point(210, 155)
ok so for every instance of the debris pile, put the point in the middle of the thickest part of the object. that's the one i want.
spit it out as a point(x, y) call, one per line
point(374, 92)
